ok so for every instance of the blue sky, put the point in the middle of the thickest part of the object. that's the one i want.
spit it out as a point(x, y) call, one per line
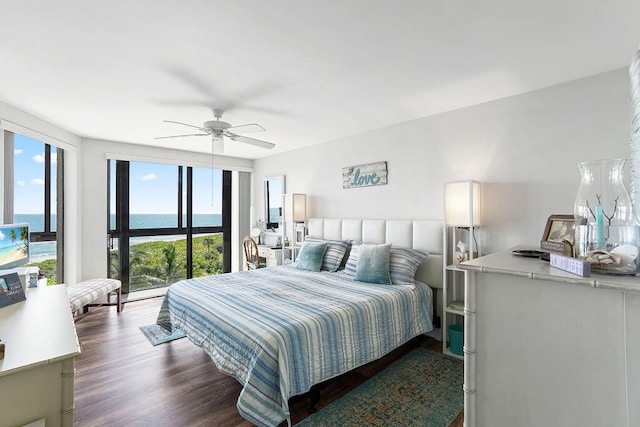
point(29, 175)
point(154, 189)
point(153, 186)
point(5, 240)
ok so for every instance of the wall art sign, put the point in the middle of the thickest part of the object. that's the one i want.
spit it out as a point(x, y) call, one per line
point(364, 175)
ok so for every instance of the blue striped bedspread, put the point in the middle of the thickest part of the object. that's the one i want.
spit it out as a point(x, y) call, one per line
point(280, 330)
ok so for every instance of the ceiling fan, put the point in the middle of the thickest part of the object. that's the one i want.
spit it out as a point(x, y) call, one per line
point(218, 130)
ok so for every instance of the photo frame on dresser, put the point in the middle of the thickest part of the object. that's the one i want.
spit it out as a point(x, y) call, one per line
point(11, 290)
point(559, 234)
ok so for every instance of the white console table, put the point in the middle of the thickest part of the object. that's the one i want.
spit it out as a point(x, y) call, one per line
point(543, 347)
point(37, 372)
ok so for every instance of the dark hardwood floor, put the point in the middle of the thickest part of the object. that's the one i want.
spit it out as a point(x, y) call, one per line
point(123, 380)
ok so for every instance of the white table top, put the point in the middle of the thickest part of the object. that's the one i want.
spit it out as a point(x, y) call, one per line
point(534, 268)
point(37, 331)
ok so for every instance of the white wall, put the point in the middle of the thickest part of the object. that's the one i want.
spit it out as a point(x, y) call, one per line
point(523, 149)
point(93, 192)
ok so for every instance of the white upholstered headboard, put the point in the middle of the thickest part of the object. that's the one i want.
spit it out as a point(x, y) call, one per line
point(417, 234)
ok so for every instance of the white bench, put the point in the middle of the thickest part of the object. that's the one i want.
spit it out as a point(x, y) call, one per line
point(83, 294)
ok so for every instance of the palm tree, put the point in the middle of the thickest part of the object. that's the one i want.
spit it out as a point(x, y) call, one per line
point(208, 241)
point(140, 271)
point(24, 237)
point(12, 235)
point(169, 254)
point(137, 254)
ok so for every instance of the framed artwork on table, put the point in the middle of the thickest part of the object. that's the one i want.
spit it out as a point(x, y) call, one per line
point(11, 290)
point(559, 234)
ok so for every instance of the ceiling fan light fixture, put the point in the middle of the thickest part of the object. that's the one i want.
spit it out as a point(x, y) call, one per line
point(218, 130)
point(217, 145)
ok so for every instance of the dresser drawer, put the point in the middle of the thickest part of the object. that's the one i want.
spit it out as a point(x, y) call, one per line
point(273, 256)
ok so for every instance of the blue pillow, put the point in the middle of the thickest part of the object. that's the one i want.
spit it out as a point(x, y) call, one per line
point(311, 255)
point(403, 263)
point(334, 255)
point(373, 264)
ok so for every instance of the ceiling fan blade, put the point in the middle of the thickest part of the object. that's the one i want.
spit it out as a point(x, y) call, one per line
point(185, 124)
point(179, 136)
point(251, 127)
point(214, 97)
point(252, 141)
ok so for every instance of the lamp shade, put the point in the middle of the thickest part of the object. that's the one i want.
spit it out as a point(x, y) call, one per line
point(294, 207)
point(299, 207)
point(462, 203)
point(294, 211)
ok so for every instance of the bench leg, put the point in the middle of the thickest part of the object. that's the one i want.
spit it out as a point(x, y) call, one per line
point(119, 304)
point(119, 300)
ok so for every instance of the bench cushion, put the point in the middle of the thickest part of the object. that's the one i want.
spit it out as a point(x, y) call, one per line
point(83, 293)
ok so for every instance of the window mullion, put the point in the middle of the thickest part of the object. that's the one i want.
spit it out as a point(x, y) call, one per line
point(226, 221)
point(180, 185)
point(47, 188)
point(189, 222)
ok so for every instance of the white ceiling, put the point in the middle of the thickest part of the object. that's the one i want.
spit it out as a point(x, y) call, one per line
point(307, 71)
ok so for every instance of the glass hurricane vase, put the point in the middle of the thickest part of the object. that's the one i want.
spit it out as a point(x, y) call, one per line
point(606, 235)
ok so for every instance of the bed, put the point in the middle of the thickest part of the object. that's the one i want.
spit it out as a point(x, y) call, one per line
point(281, 330)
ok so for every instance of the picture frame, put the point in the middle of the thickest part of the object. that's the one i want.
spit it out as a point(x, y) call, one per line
point(300, 232)
point(559, 234)
point(11, 290)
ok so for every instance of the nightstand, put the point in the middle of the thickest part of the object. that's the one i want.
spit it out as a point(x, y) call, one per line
point(462, 219)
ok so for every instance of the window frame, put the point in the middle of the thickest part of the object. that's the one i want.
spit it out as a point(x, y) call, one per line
point(47, 235)
point(124, 233)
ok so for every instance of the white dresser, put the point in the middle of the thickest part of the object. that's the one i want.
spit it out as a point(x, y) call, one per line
point(37, 372)
point(543, 347)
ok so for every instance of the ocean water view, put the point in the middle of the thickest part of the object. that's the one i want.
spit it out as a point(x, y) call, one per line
point(41, 251)
point(137, 221)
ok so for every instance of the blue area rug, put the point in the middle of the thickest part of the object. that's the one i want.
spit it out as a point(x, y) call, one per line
point(422, 389)
point(158, 335)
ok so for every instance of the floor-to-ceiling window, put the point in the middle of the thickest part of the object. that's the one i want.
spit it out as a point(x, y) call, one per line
point(35, 174)
point(166, 223)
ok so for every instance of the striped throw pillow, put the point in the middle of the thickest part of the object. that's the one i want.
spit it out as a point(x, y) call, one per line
point(334, 254)
point(403, 263)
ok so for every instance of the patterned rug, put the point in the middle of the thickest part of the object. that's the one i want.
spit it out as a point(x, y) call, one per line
point(423, 389)
point(158, 335)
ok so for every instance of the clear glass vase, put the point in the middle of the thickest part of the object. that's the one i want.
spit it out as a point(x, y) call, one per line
point(606, 235)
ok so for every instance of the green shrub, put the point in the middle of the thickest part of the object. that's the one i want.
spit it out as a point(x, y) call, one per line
point(160, 263)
